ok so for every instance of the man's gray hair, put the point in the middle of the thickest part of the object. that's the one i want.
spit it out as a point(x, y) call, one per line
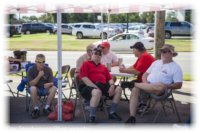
point(40, 56)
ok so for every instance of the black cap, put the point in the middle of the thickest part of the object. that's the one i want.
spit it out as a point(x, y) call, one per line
point(97, 51)
point(139, 46)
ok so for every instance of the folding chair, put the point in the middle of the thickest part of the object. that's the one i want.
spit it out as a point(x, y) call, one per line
point(65, 77)
point(79, 97)
point(163, 100)
point(103, 105)
point(72, 73)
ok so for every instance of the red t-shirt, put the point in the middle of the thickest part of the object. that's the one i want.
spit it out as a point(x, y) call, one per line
point(143, 63)
point(96, 73)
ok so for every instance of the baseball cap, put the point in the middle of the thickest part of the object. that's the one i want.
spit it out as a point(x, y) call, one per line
point(105, 44)
point(170, 48)
point(139, 46)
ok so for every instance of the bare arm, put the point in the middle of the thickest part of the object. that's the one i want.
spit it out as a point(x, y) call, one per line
point(130, 70)
point(174, 86)
point(35, 80)
point(144, 77)
point(88, 82)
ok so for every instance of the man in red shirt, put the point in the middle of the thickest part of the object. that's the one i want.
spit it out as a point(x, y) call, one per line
point(97, 82)
point(142, 64)
point(139, 68)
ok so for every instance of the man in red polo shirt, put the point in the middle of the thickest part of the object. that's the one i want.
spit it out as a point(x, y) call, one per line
point(139, 68)
point(142, 64)
point(97, 82)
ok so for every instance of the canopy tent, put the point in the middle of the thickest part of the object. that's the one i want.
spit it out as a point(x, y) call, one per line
point(112, 8)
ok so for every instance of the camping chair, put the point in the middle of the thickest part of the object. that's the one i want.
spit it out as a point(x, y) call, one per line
point(42, 98)
point(65, 77)
point(163, 100)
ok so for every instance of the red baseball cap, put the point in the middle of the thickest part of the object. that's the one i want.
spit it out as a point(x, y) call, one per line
point(105, 44)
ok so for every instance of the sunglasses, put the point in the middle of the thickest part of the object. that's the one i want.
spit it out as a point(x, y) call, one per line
point(97, 53)
point(40, 62)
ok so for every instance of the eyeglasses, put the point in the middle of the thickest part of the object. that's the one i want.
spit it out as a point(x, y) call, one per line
point(40, 62)
point(97, 53)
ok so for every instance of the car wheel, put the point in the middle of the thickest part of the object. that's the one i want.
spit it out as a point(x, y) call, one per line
point(167, 35)
point(28, 32)
point(79, 35)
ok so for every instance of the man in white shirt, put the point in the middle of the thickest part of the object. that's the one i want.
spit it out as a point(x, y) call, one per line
point(161, 75)
point(108, 56)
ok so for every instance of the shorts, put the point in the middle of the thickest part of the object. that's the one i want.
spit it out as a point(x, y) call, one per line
point(86, 91)
point(41, 91)
point(163, 95)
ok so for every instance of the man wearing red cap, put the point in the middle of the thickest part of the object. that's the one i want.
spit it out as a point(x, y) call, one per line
point(108, 56)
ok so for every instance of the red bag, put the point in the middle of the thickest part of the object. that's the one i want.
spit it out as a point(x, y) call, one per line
point(67, 111)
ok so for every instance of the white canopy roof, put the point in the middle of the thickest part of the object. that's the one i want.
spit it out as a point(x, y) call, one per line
point(113, 8)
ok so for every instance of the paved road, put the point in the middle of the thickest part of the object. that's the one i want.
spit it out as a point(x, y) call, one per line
point(70, 57)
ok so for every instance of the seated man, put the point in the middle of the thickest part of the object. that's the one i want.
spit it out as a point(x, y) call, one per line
point(161, 75)
point(142, 64)
point(97, 82)
point(107, 55)
point(139, 68)
point(40, 78)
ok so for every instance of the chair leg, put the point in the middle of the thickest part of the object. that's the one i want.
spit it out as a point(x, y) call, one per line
point(176, 111)
point(10, 89)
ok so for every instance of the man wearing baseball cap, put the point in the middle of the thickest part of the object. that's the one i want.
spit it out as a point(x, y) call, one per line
point(107, 55)
point(163, 74)
point(143, 62)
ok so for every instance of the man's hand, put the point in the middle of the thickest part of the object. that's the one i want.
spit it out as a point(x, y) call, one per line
point(122, 70)
point(111, 90)
point(48, 85)
point(41, 73)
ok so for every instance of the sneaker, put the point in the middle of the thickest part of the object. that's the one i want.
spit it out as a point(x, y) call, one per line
point(35, 113)
point(131, 120)
point(91, 119)
point(114, 116)
point(47, 111)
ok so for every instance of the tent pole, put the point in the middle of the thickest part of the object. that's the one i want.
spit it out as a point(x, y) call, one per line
point(102, 27)
point(59, 53)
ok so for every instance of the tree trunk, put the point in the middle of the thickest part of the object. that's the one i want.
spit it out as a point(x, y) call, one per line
point(159, 32)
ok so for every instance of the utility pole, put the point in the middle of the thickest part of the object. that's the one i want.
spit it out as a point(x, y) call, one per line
point(159, 32)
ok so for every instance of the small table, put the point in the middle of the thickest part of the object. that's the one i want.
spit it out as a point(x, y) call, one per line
point(115, 72)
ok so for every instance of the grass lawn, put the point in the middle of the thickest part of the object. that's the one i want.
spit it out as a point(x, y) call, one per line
point(45, 42)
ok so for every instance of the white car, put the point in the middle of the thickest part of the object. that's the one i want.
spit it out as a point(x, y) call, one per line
point(123, 41)
point(81, 30)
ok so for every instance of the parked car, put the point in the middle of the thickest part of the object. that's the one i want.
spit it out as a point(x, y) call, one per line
point(82, 30)
point(123, 41)
point(67, 29)
point(13, 30)
point(29, 28)
point(175, 29)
